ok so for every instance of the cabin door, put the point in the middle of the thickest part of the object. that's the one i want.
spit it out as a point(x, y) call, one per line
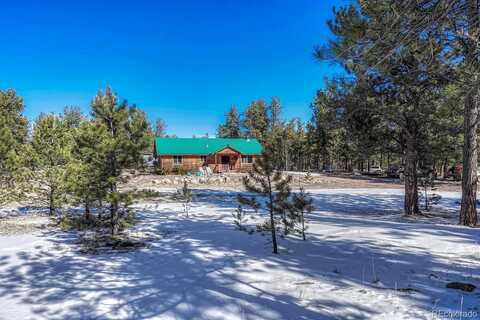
point(225, 160)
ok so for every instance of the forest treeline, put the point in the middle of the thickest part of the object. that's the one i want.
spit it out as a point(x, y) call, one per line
point(408, 95)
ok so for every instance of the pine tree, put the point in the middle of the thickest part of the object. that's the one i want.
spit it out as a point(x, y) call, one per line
point(447, 139)
point(72, 117)
point(49, 156)
point(285, 139)
point(231, 128)
point(403, 80)
point(269, 183)
point(140, 138)
point(282, 204)
point(321, 126)
point(13, 136)
point(256, 122)
point(469, 41)
point(279, 140)
point(87, 179)
point(240, 218)
point(12, 178)
point(126, 137)
point(302, 205)
point(457, 22)
point(185, 194)
point(275, 110)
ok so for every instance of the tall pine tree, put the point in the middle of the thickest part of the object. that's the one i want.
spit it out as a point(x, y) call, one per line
point(402, 79)
point(50, 154)
point(13, 136)
point(87, 174)
point(231, 128)
point(256, 121)
point(127, 135)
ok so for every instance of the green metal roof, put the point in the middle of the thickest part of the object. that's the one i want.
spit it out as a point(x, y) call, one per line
point(205, 146)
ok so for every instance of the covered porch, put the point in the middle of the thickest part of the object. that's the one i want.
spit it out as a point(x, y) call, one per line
point(225, 160)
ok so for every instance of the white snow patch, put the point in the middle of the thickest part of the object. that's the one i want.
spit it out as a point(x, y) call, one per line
point(359, 250)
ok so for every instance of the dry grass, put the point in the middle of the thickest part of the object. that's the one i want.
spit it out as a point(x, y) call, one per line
point(23, 224)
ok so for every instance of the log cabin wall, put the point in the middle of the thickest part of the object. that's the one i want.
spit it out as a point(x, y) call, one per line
point(189, 162)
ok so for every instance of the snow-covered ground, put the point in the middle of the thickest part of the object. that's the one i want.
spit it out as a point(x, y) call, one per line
point(359, 250)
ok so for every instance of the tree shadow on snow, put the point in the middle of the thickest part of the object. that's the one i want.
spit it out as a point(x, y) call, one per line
point(175, 279)
point(202, 269)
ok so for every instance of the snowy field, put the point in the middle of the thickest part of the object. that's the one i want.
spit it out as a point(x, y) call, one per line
point(362, 260)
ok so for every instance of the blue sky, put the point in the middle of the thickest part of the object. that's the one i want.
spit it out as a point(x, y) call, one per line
point(184, 61)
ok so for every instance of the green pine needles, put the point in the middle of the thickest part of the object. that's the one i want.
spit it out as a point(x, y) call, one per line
point(269, 183)
point(71, 159)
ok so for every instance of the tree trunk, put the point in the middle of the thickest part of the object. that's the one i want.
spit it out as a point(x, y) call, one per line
point(51, 206)
point(303, 227)
point(88, 215)
point(410, 173)
point(272, 219)
point(468, 209)
point(114, 218)
point(100, 209)
point(114, 210)
point(445, 168)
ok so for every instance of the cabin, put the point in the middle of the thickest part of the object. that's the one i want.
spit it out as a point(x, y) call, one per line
point(220, 154)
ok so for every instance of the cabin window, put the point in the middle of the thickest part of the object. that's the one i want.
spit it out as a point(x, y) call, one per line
point(203, 159)
point(247, 159)
point(177, 160)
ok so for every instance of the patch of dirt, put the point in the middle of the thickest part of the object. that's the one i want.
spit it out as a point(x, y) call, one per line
point(461, 286)
point(98, 242)
point(233, 181)
point(23, 224)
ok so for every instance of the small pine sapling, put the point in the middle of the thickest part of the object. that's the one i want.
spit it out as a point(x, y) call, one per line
point(302, 205)
point(308, 177)
point(427, 183)
point(282, 204)
point(239, 218)
point(186, 196)
point(266, 181)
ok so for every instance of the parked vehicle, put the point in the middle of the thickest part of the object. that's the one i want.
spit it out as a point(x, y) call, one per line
point(375, 170)
point(328, 169)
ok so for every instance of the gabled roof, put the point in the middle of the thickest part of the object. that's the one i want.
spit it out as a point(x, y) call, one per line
point(205, 146)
